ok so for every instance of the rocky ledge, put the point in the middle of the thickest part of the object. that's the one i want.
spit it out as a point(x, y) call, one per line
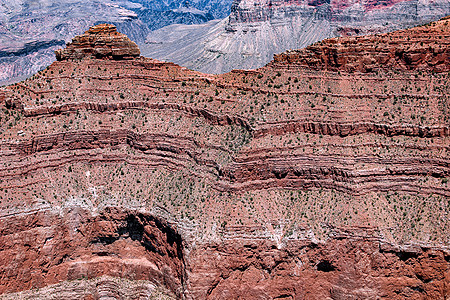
point(100, 41)
point(420, 48)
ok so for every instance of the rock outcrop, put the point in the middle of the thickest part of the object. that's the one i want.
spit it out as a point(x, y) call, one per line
point(100, 41)
point(128, 254)
point(302, 179)
point(30, 32)
point(96, 288)
point(77, 245)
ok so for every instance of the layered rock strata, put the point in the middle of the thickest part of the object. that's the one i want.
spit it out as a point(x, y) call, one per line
point(100, 41)
point(290, 181)
point(419, 48)
point(32, 30)
point(96, 288)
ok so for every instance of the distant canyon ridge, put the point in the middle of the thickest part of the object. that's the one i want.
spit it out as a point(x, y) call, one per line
point(206, 35)
point(258, 29)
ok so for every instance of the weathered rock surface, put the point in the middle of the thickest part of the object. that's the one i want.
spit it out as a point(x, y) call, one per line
point(68, 252)
point(77, 245)
point(97, 288)
point(343, 268)
point(100, 41)
point(292, 181)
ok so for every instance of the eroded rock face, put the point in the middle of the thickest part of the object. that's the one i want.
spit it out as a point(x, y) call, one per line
point(96, 288)
point(343, 12)
point(349, 267)
point(64, 255)
point(290, 181)
point(99, 42)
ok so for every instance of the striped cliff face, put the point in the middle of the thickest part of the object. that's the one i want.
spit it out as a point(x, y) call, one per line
point(324, 174)
point(101, 41)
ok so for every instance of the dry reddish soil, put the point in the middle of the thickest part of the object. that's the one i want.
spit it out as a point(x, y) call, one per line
point(323, 175)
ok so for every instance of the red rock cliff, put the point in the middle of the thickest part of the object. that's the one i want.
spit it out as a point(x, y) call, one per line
point(421, 48)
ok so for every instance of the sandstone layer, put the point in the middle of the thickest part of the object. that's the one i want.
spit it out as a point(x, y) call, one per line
point(100, 41)
point(297, 180)
point(419, 48)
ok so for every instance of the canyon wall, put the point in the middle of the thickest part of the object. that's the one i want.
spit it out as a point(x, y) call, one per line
point(313, 177)
point(248, 38)
point(129, 254)
point(364, 54)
